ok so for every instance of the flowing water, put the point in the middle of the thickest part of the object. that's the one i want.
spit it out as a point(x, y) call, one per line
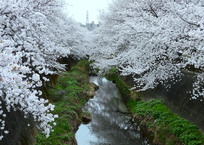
point(110, 124)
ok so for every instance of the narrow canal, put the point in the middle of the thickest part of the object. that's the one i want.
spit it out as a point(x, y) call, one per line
point(108, 126)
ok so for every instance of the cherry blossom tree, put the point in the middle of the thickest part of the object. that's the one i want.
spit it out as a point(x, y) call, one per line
point(34, 34)
point(153, 40)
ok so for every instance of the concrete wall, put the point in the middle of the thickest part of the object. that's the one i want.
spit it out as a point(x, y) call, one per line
point(19, 132)
point(177, 98)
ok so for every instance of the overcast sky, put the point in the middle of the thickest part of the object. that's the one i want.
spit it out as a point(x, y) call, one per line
point(78, 9)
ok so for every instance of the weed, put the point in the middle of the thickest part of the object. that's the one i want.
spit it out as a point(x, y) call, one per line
point(68, 96)
point(166, 123)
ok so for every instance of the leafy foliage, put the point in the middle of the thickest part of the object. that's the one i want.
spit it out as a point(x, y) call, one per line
point(70, 92)
point(166, 122)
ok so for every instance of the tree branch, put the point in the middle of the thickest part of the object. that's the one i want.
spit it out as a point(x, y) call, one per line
point(190, 23)
point(153, 11)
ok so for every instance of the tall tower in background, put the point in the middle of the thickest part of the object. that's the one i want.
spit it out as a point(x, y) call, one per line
point(90, 26)
point(87, 17)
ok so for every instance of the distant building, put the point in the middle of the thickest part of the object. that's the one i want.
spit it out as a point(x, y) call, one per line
point(90, 26)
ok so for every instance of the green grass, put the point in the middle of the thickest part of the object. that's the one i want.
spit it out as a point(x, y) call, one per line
point(161, 124)
point(123, 88)
point(159, 118)
point(68, 96)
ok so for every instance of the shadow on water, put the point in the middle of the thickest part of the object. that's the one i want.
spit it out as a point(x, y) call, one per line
point(108, 126)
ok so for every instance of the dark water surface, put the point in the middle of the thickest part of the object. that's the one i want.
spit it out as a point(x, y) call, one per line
point(108, 126)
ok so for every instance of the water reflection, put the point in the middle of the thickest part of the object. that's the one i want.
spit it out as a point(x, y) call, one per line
point(108, 126)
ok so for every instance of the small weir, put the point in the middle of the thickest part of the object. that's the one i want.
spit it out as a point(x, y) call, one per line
point(110, 125)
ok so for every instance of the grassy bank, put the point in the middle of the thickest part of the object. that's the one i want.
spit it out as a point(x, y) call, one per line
point(162, 126)
point(165, 126)
point(69, 95)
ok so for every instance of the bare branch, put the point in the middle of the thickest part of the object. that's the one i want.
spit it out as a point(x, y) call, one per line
point(153, 11)
point(190, 23)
